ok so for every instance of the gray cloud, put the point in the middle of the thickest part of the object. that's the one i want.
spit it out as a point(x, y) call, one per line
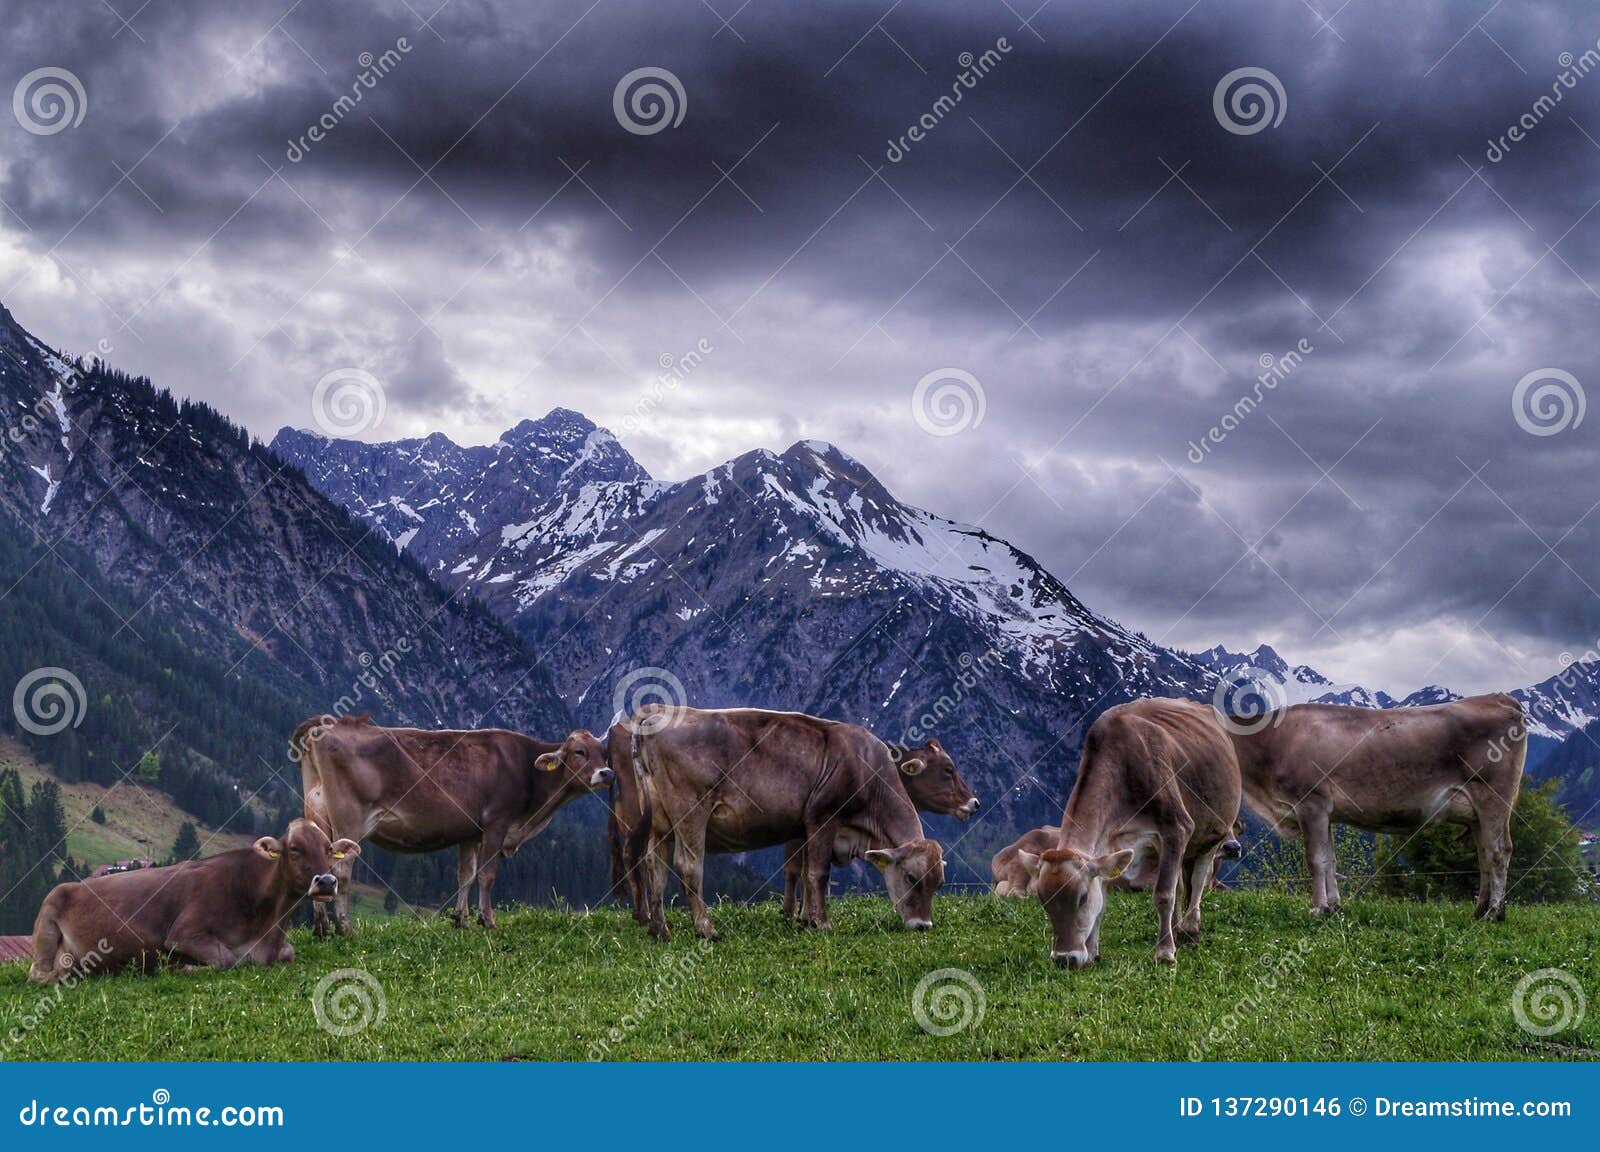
point(1115, 302)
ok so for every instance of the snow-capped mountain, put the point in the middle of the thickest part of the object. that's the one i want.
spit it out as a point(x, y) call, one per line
point(430, 496)
point(1555, 708)
point(797, 580)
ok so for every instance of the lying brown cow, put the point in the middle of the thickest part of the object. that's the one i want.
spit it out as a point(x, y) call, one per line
point(217, 912)
point(1309, 766)
point(1154, 773)
point(740, 779)
point(1010, 878)
point(934, 785)
point(484, 791)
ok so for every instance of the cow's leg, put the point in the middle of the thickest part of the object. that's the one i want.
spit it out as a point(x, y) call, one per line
point(466, 872)
point(818, 868)
point(1316, 832)
point(1174, 845)
point(319, 920)
point(489, 857)
point(1199, 873)
point(794, 863)
point(1493, 836)
point(656, 859)
point(688, 855)
point(634, 864)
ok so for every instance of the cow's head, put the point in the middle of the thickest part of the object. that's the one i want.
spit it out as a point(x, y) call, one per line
point(304, 858)
point(913, 871)
point(932, 781)
point(580, 761)
point(1072, 888)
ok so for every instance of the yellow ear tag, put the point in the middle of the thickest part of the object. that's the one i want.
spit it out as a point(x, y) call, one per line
point(1112, 875)
point(338, 855)
point(272, 853)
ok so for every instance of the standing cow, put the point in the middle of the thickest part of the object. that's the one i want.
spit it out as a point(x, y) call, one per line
point(741, 779)
point(1154, 774)
point(1309, 766)
point(484, 791)
point(217, 912)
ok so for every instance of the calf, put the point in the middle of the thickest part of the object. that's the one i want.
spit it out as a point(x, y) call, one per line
point(1154, 774)
point(218, 912)
point(740, 779)
point(1309, 766)
point(484, 792)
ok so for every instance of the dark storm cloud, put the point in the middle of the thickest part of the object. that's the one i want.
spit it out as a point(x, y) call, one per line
point(1116, 300)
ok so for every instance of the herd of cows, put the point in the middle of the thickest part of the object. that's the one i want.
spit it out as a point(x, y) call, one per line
point(1155, 805)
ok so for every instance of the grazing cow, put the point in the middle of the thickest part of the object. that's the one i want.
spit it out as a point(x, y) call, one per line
point(1309, 766)
point(1154, 773)
point(934, 785)
point(740, 779)
point(484, 791)
point(217, 912)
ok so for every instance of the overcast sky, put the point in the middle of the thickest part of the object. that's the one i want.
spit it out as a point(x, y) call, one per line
point(1106, 243)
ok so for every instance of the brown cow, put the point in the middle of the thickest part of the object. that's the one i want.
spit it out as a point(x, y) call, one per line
point(934, 785)
point(484, 791)
point(1010, 877)
point(218, 912)
point(1308, 766)
point(1156, 773)
point(740, 779)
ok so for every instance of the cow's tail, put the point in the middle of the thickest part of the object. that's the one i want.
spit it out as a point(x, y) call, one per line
point(47, 945)
point(638, 837)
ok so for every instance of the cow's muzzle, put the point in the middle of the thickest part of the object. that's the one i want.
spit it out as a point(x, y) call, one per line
point(324, 887)
point(602, 778)
point(1071, 960)
point(917, 924)
point(968, 810)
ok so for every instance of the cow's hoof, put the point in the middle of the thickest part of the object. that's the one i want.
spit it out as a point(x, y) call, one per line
point(660, 932)
point(319, 931)
point(1188, 935)
point(1168, 955)
point(487, 921)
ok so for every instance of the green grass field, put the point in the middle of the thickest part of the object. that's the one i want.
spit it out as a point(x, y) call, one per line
point(1386, 981)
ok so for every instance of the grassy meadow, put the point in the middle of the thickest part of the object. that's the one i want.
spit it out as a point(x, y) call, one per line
point(1388, 980)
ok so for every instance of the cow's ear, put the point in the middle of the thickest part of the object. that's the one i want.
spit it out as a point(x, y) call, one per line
point(270, 847)
point(934, 744)
point(549, 762)
point(342, 848)
point(1115, 864)
point(911, 765)
point(1030, 861)
point(883, 857)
